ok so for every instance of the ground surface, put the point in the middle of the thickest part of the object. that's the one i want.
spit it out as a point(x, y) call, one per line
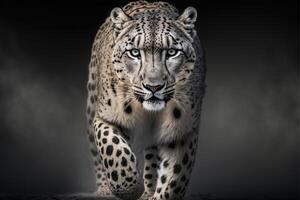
point(80, 197)
point(93, 197)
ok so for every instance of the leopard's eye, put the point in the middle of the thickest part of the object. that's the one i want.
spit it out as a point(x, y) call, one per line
point(135, 53)
point(172, 52)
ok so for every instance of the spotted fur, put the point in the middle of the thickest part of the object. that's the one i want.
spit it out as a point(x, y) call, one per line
point(145, 90)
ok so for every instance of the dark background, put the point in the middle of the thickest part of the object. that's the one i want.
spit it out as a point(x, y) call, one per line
point(249, 137)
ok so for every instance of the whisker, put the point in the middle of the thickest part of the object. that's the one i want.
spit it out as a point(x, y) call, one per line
point(139, 91)
point(170, 86)
point(135, 88)
point(138, 87)
point(141, 94)
point(171, 90)
point(167, 93)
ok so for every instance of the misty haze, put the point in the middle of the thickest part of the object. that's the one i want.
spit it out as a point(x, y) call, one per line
point(248, 140)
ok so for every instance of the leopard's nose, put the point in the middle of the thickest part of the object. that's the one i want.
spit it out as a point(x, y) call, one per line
point(153, 88)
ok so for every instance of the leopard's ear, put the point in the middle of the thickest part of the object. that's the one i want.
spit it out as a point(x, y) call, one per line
point(119, 18)
point(187, 19)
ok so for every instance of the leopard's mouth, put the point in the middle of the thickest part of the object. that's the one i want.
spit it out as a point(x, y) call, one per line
point(154, 104)
point(153, 101)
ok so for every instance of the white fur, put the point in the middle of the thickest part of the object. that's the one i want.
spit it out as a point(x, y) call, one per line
point(154, 106)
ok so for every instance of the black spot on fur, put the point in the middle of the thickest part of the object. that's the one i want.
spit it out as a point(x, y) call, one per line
point(167, 195)
point(91, 138)
point(128, 109)
point(148, 156)
point(176, 191)
point(94, 152)
point(177, 168)
point(104, 140)
point(128, 179)
point(119, 152)
point(183, 178)
point(186, 182)
point(111, 162)
point(92, 99)
point(115, 140)
point(124, 162)
point(158, 158)
point(185, 159)
point(99, 135)
point(114, 175)
point(109, 102)
point(166, 164)
point(105, 133)
point(132, 158)
point(109, 150)
point(193, 152)
point(172, 145)
point(158, 190)
point(126, 151)
point(173, 184)
point(154, 165)
point(176, 113)
point(190, 165)
point(123, 173)
point(163, 178)
point(93, 87)
point(148, 176)
point(191, 145)
point(113, 89)
point(105, 163)
point(92, 114)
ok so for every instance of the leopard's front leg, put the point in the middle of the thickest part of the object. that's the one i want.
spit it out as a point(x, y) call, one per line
point(150, 172)
point(177, 159)
point(119, 161)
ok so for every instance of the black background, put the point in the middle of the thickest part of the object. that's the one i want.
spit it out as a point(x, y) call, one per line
point(248, 146)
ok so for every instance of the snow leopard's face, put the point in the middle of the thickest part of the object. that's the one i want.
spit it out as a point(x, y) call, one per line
point(153, 53)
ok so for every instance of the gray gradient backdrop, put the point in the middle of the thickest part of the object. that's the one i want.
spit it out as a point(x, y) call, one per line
point(248, 145)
